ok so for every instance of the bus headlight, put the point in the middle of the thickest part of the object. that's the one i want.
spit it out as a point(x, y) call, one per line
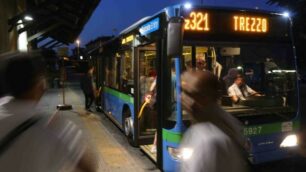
point(289, 141)
point(186, 153)
point(180, 154)
point(174, 153)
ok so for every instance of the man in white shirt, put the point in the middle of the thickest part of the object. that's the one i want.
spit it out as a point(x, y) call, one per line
point(214, 142)
point(239, 90)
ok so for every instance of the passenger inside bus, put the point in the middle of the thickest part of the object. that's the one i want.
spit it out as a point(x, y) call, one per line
point(230, 77)
point(239, 90)
point(201, 65)
point(270, 65)
point(272, 77)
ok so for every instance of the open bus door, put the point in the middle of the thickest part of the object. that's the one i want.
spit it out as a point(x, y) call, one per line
point(146, 119)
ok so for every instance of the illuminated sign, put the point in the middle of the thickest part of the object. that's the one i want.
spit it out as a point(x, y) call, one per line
point(250, 24)
point(197, 21)
point(127, 39)
point(210, 21)
point(149, 27)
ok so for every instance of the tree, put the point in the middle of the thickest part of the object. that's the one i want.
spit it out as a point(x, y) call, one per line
point(298, 12)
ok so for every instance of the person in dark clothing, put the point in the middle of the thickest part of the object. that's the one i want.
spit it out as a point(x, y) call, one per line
point(88, 88)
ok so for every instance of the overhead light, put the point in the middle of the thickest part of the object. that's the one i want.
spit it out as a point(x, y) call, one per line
point(286, 14)
point(28, 18)
point(22, 42)
point(187, 5)
point(81, 57)
point(239, 67)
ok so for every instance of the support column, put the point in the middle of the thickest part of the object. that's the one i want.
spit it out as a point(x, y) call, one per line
point(8, 40)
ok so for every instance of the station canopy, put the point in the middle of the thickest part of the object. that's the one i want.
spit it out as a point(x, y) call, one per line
point(53, 22)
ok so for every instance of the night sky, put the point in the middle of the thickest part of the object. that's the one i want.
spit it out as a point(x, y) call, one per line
point(112, 16)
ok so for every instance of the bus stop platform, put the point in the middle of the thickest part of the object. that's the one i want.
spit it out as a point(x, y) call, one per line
point(108, 143)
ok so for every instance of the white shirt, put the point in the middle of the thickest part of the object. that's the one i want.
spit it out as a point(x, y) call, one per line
point(210, 151)
point(234, 90)
point(41, 148)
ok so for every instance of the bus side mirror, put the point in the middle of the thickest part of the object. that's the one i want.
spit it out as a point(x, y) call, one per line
point(175, 37)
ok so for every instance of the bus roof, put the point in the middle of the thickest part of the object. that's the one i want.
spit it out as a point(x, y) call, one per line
point(135, 25)
point(171, 10)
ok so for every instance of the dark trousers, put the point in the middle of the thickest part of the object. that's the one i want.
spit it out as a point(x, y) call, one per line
point(89, 98)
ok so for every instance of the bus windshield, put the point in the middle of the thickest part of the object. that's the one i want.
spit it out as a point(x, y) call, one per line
point(258, 80)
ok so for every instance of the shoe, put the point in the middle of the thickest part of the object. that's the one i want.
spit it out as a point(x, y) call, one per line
point(153, 149)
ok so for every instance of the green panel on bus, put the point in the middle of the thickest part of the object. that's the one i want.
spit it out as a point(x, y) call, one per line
point(173, 137)
point(124, 97)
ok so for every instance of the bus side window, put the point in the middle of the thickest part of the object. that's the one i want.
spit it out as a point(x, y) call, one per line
point(127, 73)
point(113, 72)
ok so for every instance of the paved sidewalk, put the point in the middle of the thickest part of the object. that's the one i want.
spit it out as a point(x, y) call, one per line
point(108, 142)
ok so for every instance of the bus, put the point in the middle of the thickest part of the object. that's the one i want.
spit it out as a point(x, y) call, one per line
point(139, 71)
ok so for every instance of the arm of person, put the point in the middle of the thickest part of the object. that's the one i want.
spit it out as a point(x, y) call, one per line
point(232, 94)
point(235, 99)
point(252, 92)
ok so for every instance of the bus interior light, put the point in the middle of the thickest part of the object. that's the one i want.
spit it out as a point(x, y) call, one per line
point(239, 67)
point(28, 18)
point(187, 5)
point(289, 141)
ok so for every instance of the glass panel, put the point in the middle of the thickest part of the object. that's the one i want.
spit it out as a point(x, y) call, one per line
point(259, 80)
point(109, 74)
point(127, 74)
point(187, 56)
point(201, 53)
point(171, 119)
point(262, 76)
point(147, 89)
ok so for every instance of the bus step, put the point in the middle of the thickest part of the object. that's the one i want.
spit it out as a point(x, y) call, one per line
point(147, 149)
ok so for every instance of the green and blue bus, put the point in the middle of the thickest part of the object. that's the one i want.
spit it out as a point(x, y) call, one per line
point(148, 57)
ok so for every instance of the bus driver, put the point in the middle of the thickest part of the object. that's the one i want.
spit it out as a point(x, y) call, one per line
point(239, 90)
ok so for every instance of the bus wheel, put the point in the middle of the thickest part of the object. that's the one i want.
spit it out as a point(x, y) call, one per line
point(128, 127)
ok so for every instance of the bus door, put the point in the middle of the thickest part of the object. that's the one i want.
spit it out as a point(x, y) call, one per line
point(146, 98)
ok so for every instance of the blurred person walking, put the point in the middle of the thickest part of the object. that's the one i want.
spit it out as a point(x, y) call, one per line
point(31, 141)
point(88, 88)
point(214, 143)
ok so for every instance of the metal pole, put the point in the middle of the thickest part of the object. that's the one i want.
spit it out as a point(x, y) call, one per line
point(78, 50)
point(179, 118)
point(295, 60)
point(63, 80)
point(63, 106)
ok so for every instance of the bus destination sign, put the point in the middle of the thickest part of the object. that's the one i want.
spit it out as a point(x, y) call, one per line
point(205, 22)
